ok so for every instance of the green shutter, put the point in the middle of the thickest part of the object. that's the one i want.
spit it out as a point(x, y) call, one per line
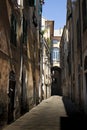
point(34, 2)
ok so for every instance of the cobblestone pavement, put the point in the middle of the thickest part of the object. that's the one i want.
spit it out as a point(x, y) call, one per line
point(45, 116)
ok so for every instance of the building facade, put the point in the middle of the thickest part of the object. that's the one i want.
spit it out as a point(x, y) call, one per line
point(55, 63)
point(19, 57)
point(47, 31)
point(55, 48)
point(76, 25)
point(64, 63)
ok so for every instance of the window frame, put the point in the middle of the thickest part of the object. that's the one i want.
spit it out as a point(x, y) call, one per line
point(55, 54)
point(13, 30)
point(84, 13)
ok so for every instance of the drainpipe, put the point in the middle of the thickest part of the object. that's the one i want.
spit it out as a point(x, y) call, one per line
point(41, 55)
point(81, 65)
point(80, 32)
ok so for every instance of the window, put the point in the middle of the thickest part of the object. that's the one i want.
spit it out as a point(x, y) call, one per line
point(39, 9)
point(31, 3)
point(20, 3)
point(13, 35)
point(24, 30)
point(34, 18)
point(55, 41)
point(78, 34)
point(85, 63)
point(55, 54)
point(84, 10)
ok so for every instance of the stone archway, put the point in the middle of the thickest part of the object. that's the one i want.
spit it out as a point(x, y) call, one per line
point(56, 81)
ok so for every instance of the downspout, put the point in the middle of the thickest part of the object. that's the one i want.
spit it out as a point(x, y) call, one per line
point(80, 32)
point(81, 64)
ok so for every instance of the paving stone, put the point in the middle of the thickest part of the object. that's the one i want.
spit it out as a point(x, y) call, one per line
point(45, 116)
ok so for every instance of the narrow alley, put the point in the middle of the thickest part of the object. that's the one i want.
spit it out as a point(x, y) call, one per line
point(43, 68)
point(50, 114)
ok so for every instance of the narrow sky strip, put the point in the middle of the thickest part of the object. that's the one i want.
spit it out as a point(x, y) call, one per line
point(55, 10)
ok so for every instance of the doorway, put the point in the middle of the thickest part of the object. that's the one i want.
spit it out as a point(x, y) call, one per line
point(56, 81)
point(11, 94)
point(24, 105)
point(85, 70)
point(86, 81)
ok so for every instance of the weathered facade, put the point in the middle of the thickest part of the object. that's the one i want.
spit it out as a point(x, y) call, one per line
point(55, 63)
point(47, 32)
point(84, 50)
point(19, 57)
point(46, 70)
point(64, 62)
point(76, 77)
point(55, 51)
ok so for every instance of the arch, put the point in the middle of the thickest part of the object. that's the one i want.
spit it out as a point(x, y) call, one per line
point(56, 81)
point(55, 68)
